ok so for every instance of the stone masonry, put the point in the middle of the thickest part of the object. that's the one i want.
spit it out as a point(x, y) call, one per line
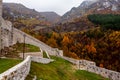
point(0, 7)
point(18, 72)
point(91, 67)
point(0, 20)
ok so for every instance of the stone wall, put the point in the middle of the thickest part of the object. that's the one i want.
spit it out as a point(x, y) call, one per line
point(112, 75)
point(91, 67)
point(19, 36)
point(18, 72)
point(73, 61)
point(41, 60)
point(12, 35)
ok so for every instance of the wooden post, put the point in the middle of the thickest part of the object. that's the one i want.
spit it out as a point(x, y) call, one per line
point(24, 47)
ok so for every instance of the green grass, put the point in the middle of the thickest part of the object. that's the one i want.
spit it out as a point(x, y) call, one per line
point(5, 64)
point(44, 55)
point(60, 70)
point(28, 47)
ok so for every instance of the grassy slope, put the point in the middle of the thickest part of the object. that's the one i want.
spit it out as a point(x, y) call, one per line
point(18, 48)
point(60, 70)
point(28, 48)
point(7, 63)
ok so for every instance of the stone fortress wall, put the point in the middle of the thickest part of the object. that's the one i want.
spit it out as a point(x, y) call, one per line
point(12, 35)
point(19, 36)
point(0, 20)
point(0, 8)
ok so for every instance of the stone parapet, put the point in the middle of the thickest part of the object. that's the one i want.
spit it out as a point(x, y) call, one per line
point(18, 72)
point(91, 67)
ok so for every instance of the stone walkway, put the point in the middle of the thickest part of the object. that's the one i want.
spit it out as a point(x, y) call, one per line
point(36, 54)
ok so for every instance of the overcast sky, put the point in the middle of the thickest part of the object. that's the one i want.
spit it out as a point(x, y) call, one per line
point(58, 6)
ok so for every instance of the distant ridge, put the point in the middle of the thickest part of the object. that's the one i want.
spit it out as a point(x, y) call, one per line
point(19, 10)
point(51, 16)
point(92, 6)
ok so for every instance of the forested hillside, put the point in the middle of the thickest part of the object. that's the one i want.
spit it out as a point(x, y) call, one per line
point(108, 21)
point(100, 44)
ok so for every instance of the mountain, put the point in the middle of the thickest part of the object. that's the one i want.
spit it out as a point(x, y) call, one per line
point(19, 10)
point(51, 16)
point(92, 6)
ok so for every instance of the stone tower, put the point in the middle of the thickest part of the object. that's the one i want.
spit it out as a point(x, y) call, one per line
point(5, 31)
point(0, 8)
point(0, 22)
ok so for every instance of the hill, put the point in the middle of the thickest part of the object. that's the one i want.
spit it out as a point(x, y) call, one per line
point(18, 10)
point(51, 16)
point(60, 70)
point(77, 24)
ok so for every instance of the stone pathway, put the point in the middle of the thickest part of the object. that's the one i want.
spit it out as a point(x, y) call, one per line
point(36, 54)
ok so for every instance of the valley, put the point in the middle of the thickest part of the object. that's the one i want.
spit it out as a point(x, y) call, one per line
point(90, 32)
